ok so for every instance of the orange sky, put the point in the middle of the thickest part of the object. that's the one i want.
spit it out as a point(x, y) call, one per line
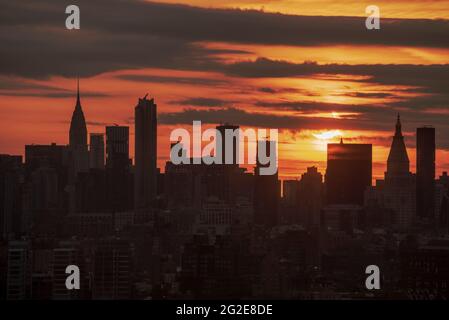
point(388, 8)
point(31, 115)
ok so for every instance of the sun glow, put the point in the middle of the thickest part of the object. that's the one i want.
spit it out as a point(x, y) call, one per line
point(327, 135)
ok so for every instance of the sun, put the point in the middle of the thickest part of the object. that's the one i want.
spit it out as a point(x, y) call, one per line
point(327, 135)
point(322, 138)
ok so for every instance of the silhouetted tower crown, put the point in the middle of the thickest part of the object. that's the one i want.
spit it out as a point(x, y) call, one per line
point(398, 161)
point(145, 115)
point(78, 129)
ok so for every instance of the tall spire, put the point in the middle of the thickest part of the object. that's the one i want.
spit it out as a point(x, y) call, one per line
point(398, 161)
point(78, 129)
point(398, 126)
point(78, 101)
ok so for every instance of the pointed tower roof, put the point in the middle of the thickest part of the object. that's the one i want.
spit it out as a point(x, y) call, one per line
point(78, 101)
point(398, 161)
point(78, 129)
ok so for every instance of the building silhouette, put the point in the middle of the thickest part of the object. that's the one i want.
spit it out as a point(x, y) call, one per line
point(44, 192)
point(399, 193)
point(425, 172)
point(117, 147)
point(425, 270)
point(213, 231)
point(398, 161)
point(96, 151)
point(112, 270)
point(288, 209)
point(78, 139)
point(442, 209)
point(52, 155)
point(92, 190)
point(18, 286)
point(310, 197)
point(344, 218)
point(290, 192)
point(10, 195)
point(349, 172)
point(145, 154)
point(118, 175)
point(267, 191)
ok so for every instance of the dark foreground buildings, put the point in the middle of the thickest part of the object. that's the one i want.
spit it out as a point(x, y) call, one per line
point(425, 172)
point(213, 231)
point(266, 190)
point(145, 154)
point(349, 172)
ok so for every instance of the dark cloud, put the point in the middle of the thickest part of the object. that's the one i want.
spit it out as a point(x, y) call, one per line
point(284, 90)
point(93, 124)
point(117, 34)
point(418, 111)
point(379, 120)
point(202, 102)
point(381, 73)
point(308, 107)
point(43, 94)
point(384, 141)
point(421, 79)
point(229, 25)
point(267, 90)
point(42, 52)
point(230, 115)
point(370, 95)
point(174, 80)
point(10, 86)
point(8, 83)
point(372, 115)
point(266, 120)
point(98, 123)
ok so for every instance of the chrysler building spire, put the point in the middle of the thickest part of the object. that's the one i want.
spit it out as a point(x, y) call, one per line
point(78, 129)
point(78, 102)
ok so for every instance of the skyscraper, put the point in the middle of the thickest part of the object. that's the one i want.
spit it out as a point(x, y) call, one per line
point(398, 162)
point(10, 194)
point(310, 196)
point(52, 155)
point(289, 192)
point(119, 179)
point(425, 172)
point(117, 146)
point(145, 154)
point(18, 286)
point(112, 270)
point(47, 169)
point(349, 172)
point(399, 186)
point(267, 191)
point(78, 139)
point(96, 151)
point(78, 129)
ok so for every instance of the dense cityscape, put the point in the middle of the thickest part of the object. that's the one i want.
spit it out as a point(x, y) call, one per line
point(218, 231)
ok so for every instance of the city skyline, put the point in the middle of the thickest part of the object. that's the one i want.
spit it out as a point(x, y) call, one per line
point(78, 115)
point(341, 80)
point(332, 118)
